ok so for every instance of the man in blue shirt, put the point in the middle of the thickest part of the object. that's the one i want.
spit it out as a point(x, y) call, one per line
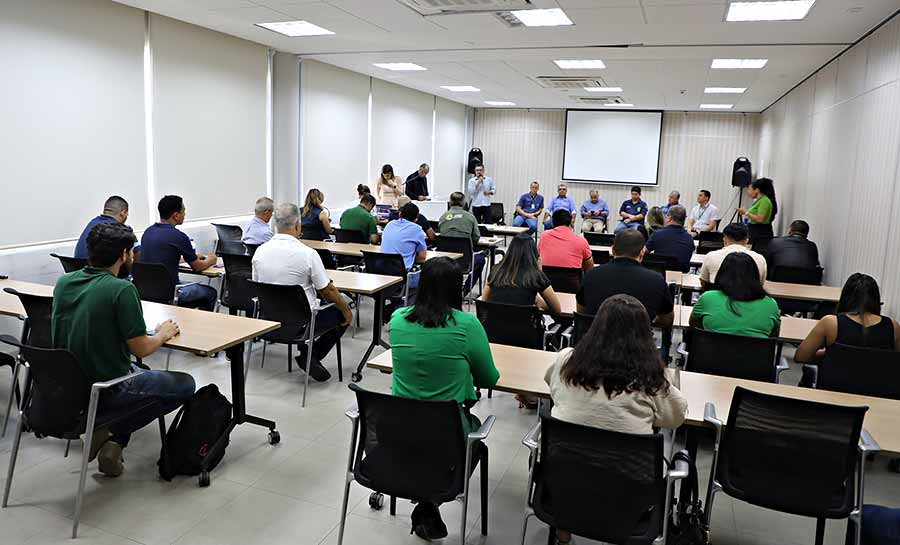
point(115, 209)
point(561, 201)
point(673, 200)
point(404, 236)
point(594, 212)
point(673, 240)
point(632, 212)
point(258, 230)
point(528, 209)
point(479, 192)
point(163, 243)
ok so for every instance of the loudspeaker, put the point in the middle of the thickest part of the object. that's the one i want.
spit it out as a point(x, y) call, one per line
point(741, 172)
point(475, 158)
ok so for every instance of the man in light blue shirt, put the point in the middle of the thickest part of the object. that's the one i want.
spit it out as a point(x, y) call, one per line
point(594, 213)
point(404, 236)
point(561, 201)
point(529, 208)
point(258, 230)
point(479, 192)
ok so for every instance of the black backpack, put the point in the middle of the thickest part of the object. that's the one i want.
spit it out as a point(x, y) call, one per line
point(196, 428)
point(687, 526)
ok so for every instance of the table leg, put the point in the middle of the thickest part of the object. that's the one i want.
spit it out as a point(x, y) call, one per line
point(376, 337)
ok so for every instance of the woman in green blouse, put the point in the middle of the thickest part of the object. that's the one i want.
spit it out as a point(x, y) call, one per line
point(440, 352)
point(762, 212)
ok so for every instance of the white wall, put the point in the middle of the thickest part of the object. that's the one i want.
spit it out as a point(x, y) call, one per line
point(286, 128)
point(833, 146)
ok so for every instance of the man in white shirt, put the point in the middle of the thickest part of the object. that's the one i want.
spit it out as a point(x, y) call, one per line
point(258, 230)
point(479, 192)
point(286, 261)
point(735, 237)
point(704, 216)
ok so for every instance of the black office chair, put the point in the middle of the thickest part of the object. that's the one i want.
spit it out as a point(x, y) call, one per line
point(862, 371)
point(513, 325)
point(654, 264)
point(460, 245)
point(791, 455)
point(231, 247)
point(564, 279)
point(573, 468)
point(70, 264)
point(600, 239)
point(735, 356)
point(414, 449)
point(154, 283)
point(61, 402)
point(236, 294)
point(349, 235)
point(582, 324)
point(670, 262)
point(709, 241)
point(289, 306)
point(391, 265)
point(601, 257)
point(327, 258)
point(797, 275)
point(497, 214)
point(228, 232)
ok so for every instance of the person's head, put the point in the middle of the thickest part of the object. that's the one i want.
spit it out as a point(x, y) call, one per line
point(264, 208)
point(562, 190)
point(521, 266)
point(367, 201)
point(171, 209)
point(860, 295)
point(387, 172)
point(735, 233)
point(595, 195)
point(409, 212)
point(457, 198)
point(533, 188)
point(287, 219)
point(629, 243)
point(362, 190)
point(438, 293)
point(676, 216)
point(655, 217)
point(314, 199)
point(764, 186)
point(402, 201)
point(618, 352)
point(562, 217)
point(738, 278)
point(703, 197)
point(479, 170)
point(799, 228)
point(116, 207)
point(110, 244)
point(674, 197)
point(635, 193)
point(424, 169)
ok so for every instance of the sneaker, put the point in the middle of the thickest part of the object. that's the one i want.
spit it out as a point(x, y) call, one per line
point(110, 459)
point(318, 371)
point(99, 439)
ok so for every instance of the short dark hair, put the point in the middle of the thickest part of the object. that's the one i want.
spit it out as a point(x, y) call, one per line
point(107, 241)
point(800, 227)
point(736, 232)
point(478, 165)
point(169, 205)
point(678, 214)
point(367, 199)
point(409, 212)
point(438, 293)
point(636, 189)
point(457, 198)
point(115, 204)
point(562, 217)
point(706, 192)
point(628, 243)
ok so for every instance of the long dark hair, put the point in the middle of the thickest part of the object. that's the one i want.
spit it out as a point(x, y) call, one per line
point(362, 190)
point(438, 294)
point(617, 352)
point(738, 278)
point(860, 294)
point(767, 187)
point(521, 265)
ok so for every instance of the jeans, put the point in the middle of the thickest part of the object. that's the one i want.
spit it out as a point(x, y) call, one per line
point(169, 388)
point(483, 214)
point(330, 318)
point(548, 224)
point(521, 221)
point(478, 266)
point(198, 296)
point(622, 226)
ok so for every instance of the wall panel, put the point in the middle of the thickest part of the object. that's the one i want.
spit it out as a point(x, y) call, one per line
point(449, 148)
point(402, 122)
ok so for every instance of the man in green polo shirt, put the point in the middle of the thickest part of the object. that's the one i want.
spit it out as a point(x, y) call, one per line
point(98, 318)
point(359, 218)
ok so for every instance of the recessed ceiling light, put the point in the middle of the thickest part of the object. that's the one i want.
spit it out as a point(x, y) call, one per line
point(295, 28)
point(717, 106)
point(724, 90)
point(542, 17)
point(619, 105)
point(580, 65)
point(738, 63)
point(399, 66)
point(603, 89)
point(782, 10)
point(499, 103)
point(461, 88)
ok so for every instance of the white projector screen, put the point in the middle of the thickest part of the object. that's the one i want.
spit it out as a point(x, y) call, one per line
point(612, 147)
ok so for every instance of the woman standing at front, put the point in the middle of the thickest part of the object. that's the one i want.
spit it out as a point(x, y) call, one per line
point(761, 213)
point(389, 187)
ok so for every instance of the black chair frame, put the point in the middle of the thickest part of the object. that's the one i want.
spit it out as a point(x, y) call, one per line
point(70, 264)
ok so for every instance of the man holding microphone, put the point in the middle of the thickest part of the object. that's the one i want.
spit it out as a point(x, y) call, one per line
point(479, 192)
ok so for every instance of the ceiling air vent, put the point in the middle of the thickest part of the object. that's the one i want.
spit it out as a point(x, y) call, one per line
point(451, 7)
point(567, 82)
point(599, 101)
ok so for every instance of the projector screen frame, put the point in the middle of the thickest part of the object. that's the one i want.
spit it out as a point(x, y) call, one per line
point(612, 182)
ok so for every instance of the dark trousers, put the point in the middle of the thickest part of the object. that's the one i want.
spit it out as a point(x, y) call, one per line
point(330, 318)
point(198, 296)
point(482, 214)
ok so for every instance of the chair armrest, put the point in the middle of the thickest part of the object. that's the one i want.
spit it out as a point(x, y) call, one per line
point(320, 307)
point(867, 443)
point(682, 349)
point(110, 383)
point(531, 438)
point(709, 415)
point(483, 431)
point(679, 470)
point(346, 268)
point(782, 366)
point(353, 412)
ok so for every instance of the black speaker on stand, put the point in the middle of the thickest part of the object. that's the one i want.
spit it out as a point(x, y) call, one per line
point(741, 176)
point(476, 157)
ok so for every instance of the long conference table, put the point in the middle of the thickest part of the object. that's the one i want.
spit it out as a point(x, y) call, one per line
point(522, 372)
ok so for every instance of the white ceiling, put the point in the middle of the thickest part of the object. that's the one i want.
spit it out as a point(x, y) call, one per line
point(666, 66)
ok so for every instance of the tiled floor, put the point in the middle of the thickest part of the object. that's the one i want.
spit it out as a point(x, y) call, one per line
point(291, 493)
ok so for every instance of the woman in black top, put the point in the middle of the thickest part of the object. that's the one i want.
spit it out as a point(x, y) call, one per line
point(314, 224)
point(519, 280)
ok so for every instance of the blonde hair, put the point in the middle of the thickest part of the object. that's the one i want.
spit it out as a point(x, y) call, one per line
point(314, 198)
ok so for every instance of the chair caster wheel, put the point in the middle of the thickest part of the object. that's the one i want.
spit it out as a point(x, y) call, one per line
point(376, 500)
point(356, 377)
point(478, 393)
point(204, 479)
point(274, 437)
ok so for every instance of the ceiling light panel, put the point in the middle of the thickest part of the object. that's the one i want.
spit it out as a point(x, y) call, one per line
point(738, 64)
point(294, 29)
point(461, 88)
point(587, 64)
point(717, 106)
point(603, 89)
point(619, 105)
point(542, 17)
point(499, 103)
point(399, 66)
point(783, 10)
point(724, 90)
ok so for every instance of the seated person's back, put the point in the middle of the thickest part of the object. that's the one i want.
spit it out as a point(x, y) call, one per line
point(672, 240)
point(561, 247)
point(735, 238)
point(404, 236)
point(359, 218)
point(794, 250)
point(457, 222)
point(519, 280)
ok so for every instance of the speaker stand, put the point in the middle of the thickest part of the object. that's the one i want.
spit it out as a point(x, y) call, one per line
point(737, 215)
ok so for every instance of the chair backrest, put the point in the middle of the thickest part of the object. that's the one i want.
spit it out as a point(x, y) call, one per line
point(153, 282)
point(349, 235)
point(669, 262)
point(237, 293)
point(600, 239)
point(232, 247)
point(797, 275)
point(57, 393)
point(285, 304)
point(583, 323)
point(709, 241)
point(251, 248)
point(435, 226)
point(388, 265)
point(580, 465)
point(228, 232)
point(409, 448)
point(70, 264)
point(514, 325)
point(564, 279)
point(655, 265)
point(790, 455)
point(457, 245)
point(327, 258)
point(736, 356)
point(38, 310)
point(761, 246)
point(863, 371)
point(601, 257)
point(497, 214)
point(482, 231)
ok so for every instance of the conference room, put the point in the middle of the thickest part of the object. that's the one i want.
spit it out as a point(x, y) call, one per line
point(478, 272)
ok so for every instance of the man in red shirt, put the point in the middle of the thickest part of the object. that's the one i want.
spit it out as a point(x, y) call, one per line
point(561, 247)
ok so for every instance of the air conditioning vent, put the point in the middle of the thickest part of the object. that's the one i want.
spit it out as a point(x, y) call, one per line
point(568, 82)
point(599, 101)
point(449, 7)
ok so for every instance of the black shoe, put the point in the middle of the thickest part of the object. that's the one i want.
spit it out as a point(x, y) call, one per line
point(318, 371)
point(427, 523)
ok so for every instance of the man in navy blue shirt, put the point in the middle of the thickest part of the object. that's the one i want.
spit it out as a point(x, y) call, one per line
point(163, 243)
point(673, 240)
point(529, 209)
point(115, 209)
point(632, 212)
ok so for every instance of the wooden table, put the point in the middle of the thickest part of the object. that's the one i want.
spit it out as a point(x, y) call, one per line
point(696, 259)
point(777, 290)
point(793, 330)
point(503, 230)
point(354, 249)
